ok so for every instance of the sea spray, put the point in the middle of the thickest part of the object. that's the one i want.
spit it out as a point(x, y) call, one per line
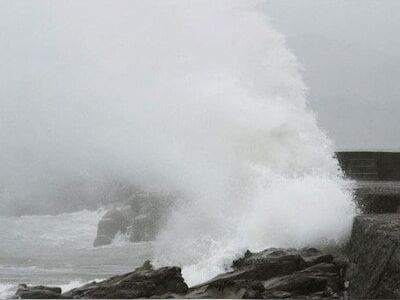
point(272, 180)
point(202, 98)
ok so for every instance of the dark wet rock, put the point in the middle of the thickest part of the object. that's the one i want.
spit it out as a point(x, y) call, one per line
point(264, 269)
point(323, 278)
point(313, 256)
point(114, 221)
point(272, 273)
point(226, 291)
point(144, 282)
point(276, 273)
point(139, 218)
point(281, 295)
point(307, 256)
point(296, 284)
point(374, 269)
point(323, 269)
point(37, 292)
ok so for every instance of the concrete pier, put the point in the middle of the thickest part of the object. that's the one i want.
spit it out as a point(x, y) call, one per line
point(377, 176)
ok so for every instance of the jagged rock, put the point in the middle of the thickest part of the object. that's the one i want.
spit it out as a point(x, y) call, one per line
point(276, 273)
point(309, 257)
point(114, 221)
point(37, 292)
point(140, 218)
point(264, 269)
point(144, 282)
point(272, 273)
point(281, 295)
point(313, 256)
point(230, 291)
point(375, 257)
point(296, 284)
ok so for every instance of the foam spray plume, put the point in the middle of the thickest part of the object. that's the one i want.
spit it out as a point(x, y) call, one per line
point(201, 97)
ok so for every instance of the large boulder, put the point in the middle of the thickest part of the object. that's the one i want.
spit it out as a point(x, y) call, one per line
point(277, 273)
point(375, 257)
point(144, 282)
point(37, 292)
point(114, 221)
point(139, 218)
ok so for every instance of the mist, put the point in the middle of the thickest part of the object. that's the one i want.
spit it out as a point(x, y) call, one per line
point(201, 98)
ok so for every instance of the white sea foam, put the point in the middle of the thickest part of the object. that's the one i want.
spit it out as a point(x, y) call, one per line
point(7, 290)
point(262, 173)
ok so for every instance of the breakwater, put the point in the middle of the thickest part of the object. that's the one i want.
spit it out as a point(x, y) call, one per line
point(377, 179)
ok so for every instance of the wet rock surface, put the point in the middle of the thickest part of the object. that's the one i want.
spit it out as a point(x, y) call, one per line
point(114, 221)
point(277, 273)
point(374, 270)
point(272, 273)
point(139, 218)
point(144, 282)
point(37, 292)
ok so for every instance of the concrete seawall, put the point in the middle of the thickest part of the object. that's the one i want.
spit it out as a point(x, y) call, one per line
point(377, 176)
point(370, 165)
point(374, 249)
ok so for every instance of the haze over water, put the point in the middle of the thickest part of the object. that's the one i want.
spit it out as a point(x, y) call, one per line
point(202, 98)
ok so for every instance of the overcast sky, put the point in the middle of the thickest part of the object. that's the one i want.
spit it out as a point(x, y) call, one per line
point(350, 51)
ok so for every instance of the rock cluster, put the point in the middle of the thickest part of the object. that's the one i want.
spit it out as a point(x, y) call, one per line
point(278, 273)
point(272, 273)
point(144, 282)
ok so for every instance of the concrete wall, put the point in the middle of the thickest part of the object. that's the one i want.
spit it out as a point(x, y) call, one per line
point(368, 165)
point(374, 270)
point(377, 189)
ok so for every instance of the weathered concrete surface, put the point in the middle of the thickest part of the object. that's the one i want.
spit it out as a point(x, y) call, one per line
point(377, 179)
point(375, 257)
point(378, 196)
point(370, 165)
point(384, 188)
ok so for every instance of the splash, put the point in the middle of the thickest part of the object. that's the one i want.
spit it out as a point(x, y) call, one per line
point(199, 97)
point(7, 290)
point(266, 173)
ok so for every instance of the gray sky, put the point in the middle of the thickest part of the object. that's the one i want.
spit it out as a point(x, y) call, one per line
point(350, 53)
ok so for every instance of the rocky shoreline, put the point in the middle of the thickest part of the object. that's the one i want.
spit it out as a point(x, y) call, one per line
point(272, 273)
point(370, 270)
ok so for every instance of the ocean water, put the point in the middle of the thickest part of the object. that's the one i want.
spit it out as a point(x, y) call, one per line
point(57, 250)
